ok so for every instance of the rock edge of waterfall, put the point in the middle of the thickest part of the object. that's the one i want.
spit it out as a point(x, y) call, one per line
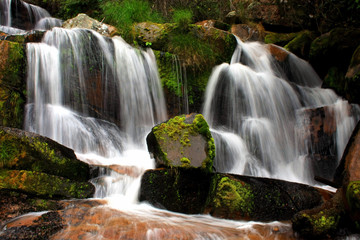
point(314, 212)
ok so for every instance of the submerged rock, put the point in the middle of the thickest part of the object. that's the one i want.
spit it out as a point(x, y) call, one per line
point(183, 141)
point(23, 150)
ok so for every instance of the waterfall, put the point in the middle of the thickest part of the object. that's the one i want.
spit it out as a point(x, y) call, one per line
point(17, 16)
point(98, 96)
point(254, 108)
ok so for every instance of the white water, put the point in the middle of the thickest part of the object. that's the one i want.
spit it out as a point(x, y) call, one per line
point(59, 105)
point(37, 17)
point(255, 110)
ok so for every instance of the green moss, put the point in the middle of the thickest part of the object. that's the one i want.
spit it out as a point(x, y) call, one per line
point(322, 222)
point(12, 97)
point(176, 129)
point(34, 154)
point(280, 39)
point(353, 196)
point(185, 162)
point(42, 184)
point(235, 196)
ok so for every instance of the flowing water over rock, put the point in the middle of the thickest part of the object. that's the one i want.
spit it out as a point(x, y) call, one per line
point(256, 111)
point(17, 16)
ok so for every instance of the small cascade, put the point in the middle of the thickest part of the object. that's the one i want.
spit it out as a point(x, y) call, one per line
point(254, 108)
point(20, 15)
point(98, 96)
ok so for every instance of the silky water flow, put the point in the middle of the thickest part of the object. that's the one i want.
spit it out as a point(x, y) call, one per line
point(100, 97)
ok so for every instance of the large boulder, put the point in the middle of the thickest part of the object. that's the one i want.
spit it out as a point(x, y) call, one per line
point(183, 141)
point(227, 196)
point(44, 185)
point(342, 211)
point(151, 34)
point(21, 150)
point(12, 84)
point(334, 48)
point(84, 21)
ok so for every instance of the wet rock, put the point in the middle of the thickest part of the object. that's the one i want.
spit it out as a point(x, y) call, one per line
point(37, 227)
point(342, 212)
point(84, 21)
point(249, 32)
point(183, 141)
point(260, 199)
point(227, 196)
point(44, 185)
point(28, 37)
point(12, 84)
point(14, 204)
point(176, 189)
point(298, 43)
point(29, 151)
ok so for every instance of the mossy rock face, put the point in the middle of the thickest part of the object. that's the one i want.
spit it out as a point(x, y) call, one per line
point(352, 79)
point(21, 150)
point(183, 141)
point(182, 190)
point(259, 199)
point(334, 48)
point(42, 184)
point(154, 35)
point(12, 84)
point(322, 221)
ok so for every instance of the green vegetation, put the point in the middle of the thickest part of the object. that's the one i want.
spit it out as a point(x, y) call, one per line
point(123, 14)
point(182, 18)
point(42, 184)
point(235, 196)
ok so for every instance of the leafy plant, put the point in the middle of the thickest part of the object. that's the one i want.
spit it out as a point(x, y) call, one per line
point(123, 14)
point(182, 18)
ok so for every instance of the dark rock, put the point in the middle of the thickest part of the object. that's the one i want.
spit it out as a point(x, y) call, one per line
point(260, 199)
point(39, 227)
point(176, 189)
point(23, 150)
point(14, 204)
point(352, 79)
point(227, 196)
point(183, 141)
point(334, 48)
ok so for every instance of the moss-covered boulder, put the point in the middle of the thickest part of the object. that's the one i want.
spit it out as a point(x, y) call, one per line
point(334, 48)
point(182, 190)
point(183, 141)
point(352, 79)
point(12, 84)
point(42, 184)
point(21, 150)
point(341, 211)
point(154, 35)
point(260, 199)
point(191, 190)
point(321, 222)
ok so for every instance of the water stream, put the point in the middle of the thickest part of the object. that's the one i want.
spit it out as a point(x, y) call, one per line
point(101, 97)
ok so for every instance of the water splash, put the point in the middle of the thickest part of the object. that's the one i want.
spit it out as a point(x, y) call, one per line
point(254, 99)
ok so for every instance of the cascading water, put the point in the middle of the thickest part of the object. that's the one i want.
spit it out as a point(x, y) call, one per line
point(18, 16)
point(255, 108)
point(76, 76)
